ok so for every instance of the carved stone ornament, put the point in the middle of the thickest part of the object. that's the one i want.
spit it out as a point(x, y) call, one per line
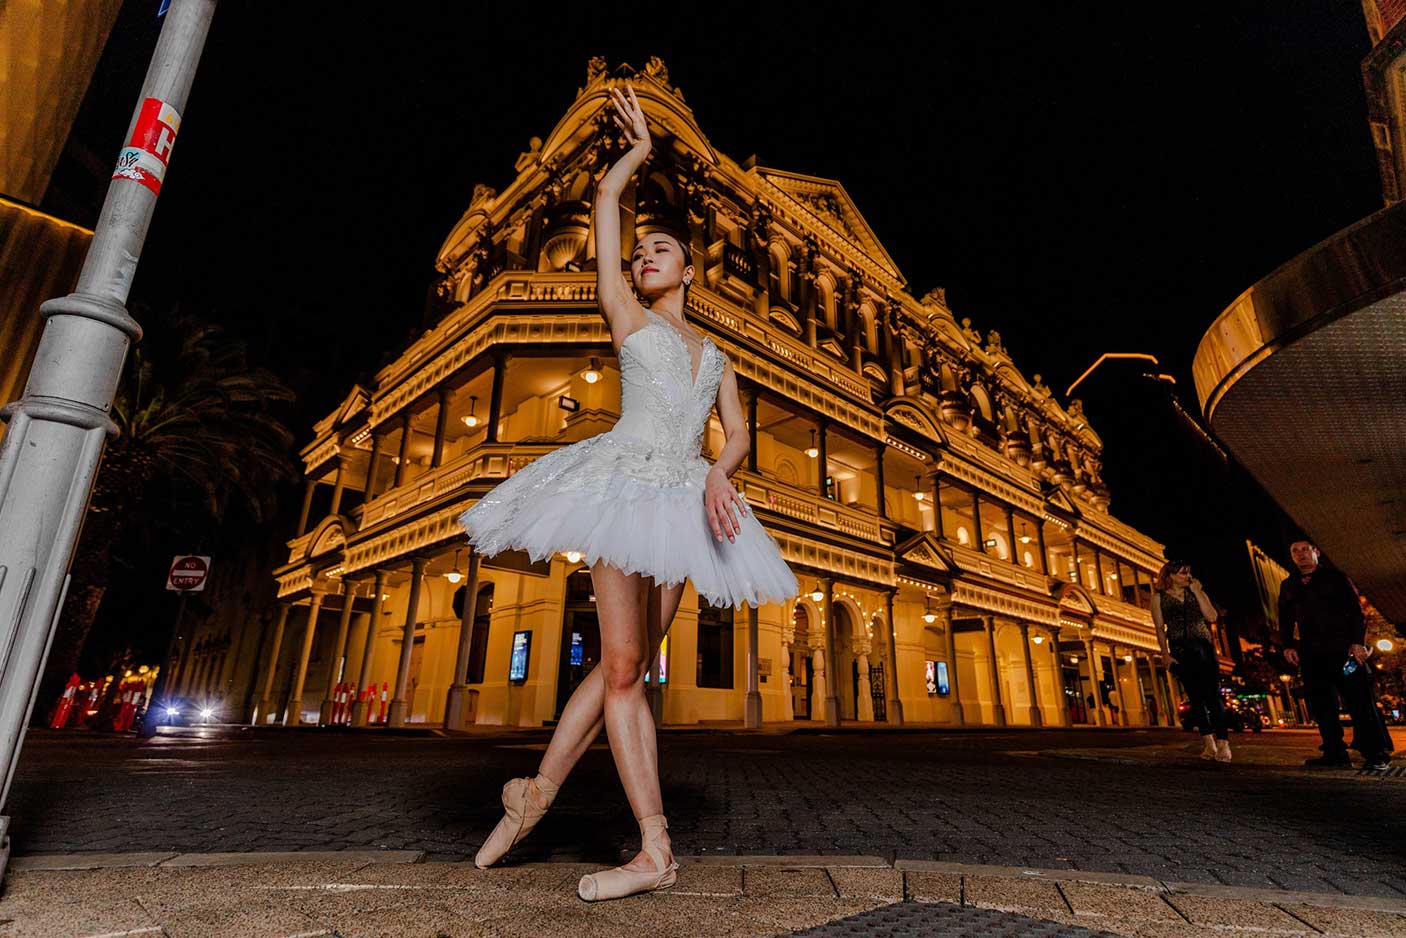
point(993, 343)
point(972, 335)
point(1038, 389)
point(595, 68)
point(482, 193)
point(937, 296)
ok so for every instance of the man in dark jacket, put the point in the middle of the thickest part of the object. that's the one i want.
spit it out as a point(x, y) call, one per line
point(1323, 607)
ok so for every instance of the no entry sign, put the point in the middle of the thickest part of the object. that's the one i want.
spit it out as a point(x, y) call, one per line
point(188, 573)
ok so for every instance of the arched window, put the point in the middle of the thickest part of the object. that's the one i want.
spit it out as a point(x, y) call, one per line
point(983, 402)
point(825, 298)
point(871, 328)
point(779, 278)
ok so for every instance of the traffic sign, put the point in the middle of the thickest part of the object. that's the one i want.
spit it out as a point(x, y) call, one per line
point(188, 573)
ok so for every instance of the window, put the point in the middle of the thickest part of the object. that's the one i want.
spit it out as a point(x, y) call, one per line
point(714, 645)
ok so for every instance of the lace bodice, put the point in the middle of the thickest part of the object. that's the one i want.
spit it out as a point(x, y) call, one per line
point(661, 401)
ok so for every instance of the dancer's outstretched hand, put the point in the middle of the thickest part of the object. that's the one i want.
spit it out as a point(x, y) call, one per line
point(629, 117)
point(724, 506)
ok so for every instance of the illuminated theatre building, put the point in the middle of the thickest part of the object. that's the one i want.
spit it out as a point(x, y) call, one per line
point(939, 510)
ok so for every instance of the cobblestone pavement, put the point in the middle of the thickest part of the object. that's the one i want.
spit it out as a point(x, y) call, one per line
point(1115, 801)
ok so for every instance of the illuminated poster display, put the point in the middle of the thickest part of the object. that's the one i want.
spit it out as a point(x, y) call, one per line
point(936, 676)
point(517, 664)
point(663, 664)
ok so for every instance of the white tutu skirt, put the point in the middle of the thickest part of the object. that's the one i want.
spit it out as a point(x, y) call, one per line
point(617, 498)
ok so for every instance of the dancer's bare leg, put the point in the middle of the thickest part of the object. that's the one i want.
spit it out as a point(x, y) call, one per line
point(623, 605)
point(584, 715)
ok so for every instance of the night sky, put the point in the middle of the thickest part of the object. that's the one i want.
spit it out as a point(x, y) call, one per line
point(1082, 181)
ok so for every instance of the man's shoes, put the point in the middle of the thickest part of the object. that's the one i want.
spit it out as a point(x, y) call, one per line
point(1328, 762)
point(1377, 764)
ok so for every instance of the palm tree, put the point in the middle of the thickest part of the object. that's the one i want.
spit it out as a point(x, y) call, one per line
point(196, 431)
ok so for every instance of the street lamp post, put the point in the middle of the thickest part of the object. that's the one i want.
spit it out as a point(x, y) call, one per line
point(50, 454)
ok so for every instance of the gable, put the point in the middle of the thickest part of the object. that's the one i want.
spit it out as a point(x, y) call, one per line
point(828, 201)
point(923, 551)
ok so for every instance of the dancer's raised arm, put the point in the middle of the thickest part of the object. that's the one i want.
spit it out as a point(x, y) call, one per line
point(617, 301)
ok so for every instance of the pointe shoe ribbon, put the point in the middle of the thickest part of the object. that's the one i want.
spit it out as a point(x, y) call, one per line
point(620, 882)
point(521, 812)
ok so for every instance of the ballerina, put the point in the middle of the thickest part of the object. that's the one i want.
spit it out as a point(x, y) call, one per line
point(646, 511)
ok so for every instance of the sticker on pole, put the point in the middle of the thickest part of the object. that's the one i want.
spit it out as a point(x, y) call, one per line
point(188, 574)
point(144, 157)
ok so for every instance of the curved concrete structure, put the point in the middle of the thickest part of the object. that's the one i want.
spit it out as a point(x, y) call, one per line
point(1304, 379)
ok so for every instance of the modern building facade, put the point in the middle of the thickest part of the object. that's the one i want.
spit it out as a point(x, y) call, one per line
point(1302, 377)
point(944, 514)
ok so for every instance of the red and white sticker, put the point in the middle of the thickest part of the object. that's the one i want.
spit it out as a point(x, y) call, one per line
point(144, 157)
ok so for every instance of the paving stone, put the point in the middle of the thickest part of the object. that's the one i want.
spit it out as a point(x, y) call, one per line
point(1030, 897)
point(772, 882)
point(1119, 903)
point(1352, 923)
point(858, 883)
point(933, 887)
point(1230, 913)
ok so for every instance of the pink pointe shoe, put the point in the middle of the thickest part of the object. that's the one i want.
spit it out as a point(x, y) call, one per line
point(525, 802)
point(620, 882)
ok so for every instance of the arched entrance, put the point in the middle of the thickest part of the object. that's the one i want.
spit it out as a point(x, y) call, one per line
point(802, 666)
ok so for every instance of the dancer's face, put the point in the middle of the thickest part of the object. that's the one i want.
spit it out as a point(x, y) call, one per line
point(658, 265)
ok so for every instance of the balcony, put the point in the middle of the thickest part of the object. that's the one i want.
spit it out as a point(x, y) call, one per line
point(807, 506)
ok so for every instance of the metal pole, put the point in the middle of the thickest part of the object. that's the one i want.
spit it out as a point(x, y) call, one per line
point(50, 454)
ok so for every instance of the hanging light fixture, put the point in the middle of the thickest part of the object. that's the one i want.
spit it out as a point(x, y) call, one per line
point(811, 450)
point(592, 372)
point(918, 487)
point(817, 594)
point(454, 576)
point(928, 615)
point(471, 420)
point(1038, 639)
point(572, 556)
point(1024, 537)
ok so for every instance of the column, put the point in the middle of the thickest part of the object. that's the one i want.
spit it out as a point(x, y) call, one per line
point(456, 705)
point(1036, 718)
point(937, 506)
point(400, 698)
point(1078, 564)
point(822, 460)
point(879, 450)
point(1141, 695)
point(1102, 589)
point(959, 717)
point(294, 715)
point(339, 652)
point(373, 465)
point(865, 710)
point(999, 708)
point(1116, 660)
point(1063, 709)
point(1014, 547)
point(749, 400)
point(361, 708)
point(266, 701)
point(1094, 678)
point(1044, 553)
point(976, 522)
point(308, 487)
point(340, 485)
point(404, 449)
point(752, 708)
point(495, 400)
point(832, 697)
point(895, 702)
point(440, 424)
point(820, 684)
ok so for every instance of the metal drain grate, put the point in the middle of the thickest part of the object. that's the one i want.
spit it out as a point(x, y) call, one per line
point(1395, 771)
point(945, 920)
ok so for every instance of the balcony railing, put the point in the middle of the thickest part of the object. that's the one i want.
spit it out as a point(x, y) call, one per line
point(803, 505)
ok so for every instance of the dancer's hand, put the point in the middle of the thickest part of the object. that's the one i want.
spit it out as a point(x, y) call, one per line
point(629, 117)
point(724, 505)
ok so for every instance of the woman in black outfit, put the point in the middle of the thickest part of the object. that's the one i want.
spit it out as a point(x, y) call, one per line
point(1181, 611)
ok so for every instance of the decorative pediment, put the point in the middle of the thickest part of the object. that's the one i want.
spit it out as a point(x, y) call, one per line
point(923, 550)
point(1056, 498)
point(914, 414)
point(828, 201)
point(1074, 598)
point(329, 536)
point(355, 403)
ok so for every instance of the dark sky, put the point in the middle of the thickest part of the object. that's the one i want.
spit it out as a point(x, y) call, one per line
point(1083, 178)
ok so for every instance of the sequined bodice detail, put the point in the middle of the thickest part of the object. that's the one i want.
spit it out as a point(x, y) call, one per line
point(661, 402)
